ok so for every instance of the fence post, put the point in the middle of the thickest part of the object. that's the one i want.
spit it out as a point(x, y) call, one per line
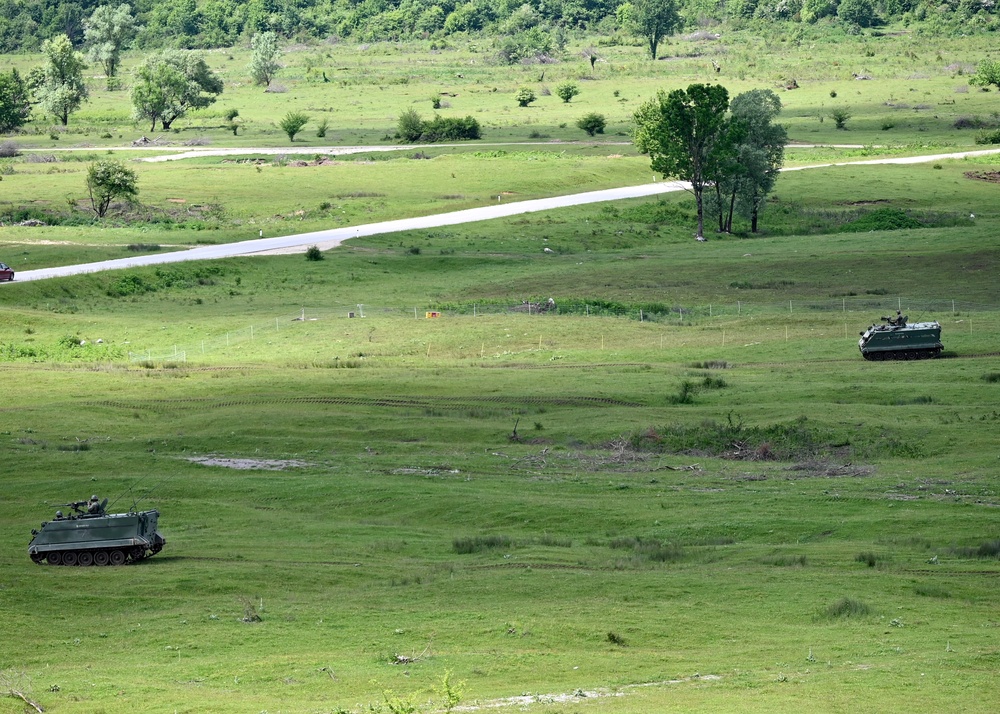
point(739, 308)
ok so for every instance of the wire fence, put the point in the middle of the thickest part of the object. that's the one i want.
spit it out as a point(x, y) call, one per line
point(867, 308)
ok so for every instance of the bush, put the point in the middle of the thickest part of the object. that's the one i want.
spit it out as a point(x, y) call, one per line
point(882, 219)
point(840, 117)
point(467, 546)
point(846, 608)
point(567, 90)
point(592, 123)
point(525, 96)
point(314, 253)
point(451, 129)
point(292, 123)
point(8, 149)
point(321, 128)
point(988, 137)
point(410, 126)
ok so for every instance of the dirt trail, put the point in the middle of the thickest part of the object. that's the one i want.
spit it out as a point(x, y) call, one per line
point(328, 239)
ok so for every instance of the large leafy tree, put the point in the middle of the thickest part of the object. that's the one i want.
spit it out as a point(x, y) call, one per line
point(61, 89)
point(264, 60)
point(169, 83)
point(650, 19)
point(109, 31)
point(15, 105)
point(684, 133)
point(755, 154)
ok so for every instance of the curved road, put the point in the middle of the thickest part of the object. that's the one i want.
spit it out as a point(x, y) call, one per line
point(327, 239)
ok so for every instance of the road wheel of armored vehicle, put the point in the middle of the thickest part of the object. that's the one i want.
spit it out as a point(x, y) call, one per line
point(101, 557)
point(117, 557)
point(85, 559)
point(54, 558)
point(37, 557)
point(69, 558)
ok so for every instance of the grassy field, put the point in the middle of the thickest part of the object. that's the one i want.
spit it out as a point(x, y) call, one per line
point(683, 489)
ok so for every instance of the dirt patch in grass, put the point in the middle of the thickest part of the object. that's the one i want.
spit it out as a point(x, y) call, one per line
point(826, 469)
point(989, 176)
point(248, 464)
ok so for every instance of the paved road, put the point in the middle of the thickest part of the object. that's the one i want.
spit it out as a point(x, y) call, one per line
point(331, 238)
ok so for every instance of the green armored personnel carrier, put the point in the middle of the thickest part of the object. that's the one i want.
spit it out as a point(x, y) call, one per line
point(90, 536)
point(897, 339)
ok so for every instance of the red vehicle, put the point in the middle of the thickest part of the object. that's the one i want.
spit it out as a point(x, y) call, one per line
point(6, 272)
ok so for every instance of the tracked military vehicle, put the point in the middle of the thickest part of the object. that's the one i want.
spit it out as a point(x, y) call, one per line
point(91, 536)
point(898, 340)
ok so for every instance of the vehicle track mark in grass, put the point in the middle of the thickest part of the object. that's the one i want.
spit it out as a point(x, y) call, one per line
point(386, 402)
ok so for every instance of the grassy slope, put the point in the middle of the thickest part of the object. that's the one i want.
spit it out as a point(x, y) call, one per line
point(350, 559)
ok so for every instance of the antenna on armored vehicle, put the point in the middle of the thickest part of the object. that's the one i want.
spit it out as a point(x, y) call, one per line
point(129, 490)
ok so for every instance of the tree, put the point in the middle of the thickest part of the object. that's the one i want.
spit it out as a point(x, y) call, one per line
point(592, 123)
point(61, 89)
point(292, 123)
point(987, 74)
point(525, 96)
point(108, 180)
point(567, 90)
point(857, 12)
point(15, 105)
point(756, 154)
point(110, 30)
point(684, 134)
point(169, 83)
point(650, 19)
point(410, 126)
point(264, 60)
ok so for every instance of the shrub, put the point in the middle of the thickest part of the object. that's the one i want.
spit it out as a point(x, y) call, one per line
point(567, 90)
point(314, 253)
point(478, 544)
point(321, 128)
point(868, 558)
point(840, 117)
point(525, 96)
point(451, 129)
point(616, 639)
point(410, 126)
point(292, 123)
point(882, 219)
point(846, 608)
point(129, 285)
point(8, 149)
point(592, 123)
point(988, 137)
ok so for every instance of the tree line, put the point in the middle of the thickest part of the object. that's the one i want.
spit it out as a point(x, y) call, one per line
point(164, 86)
point(190, 24)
